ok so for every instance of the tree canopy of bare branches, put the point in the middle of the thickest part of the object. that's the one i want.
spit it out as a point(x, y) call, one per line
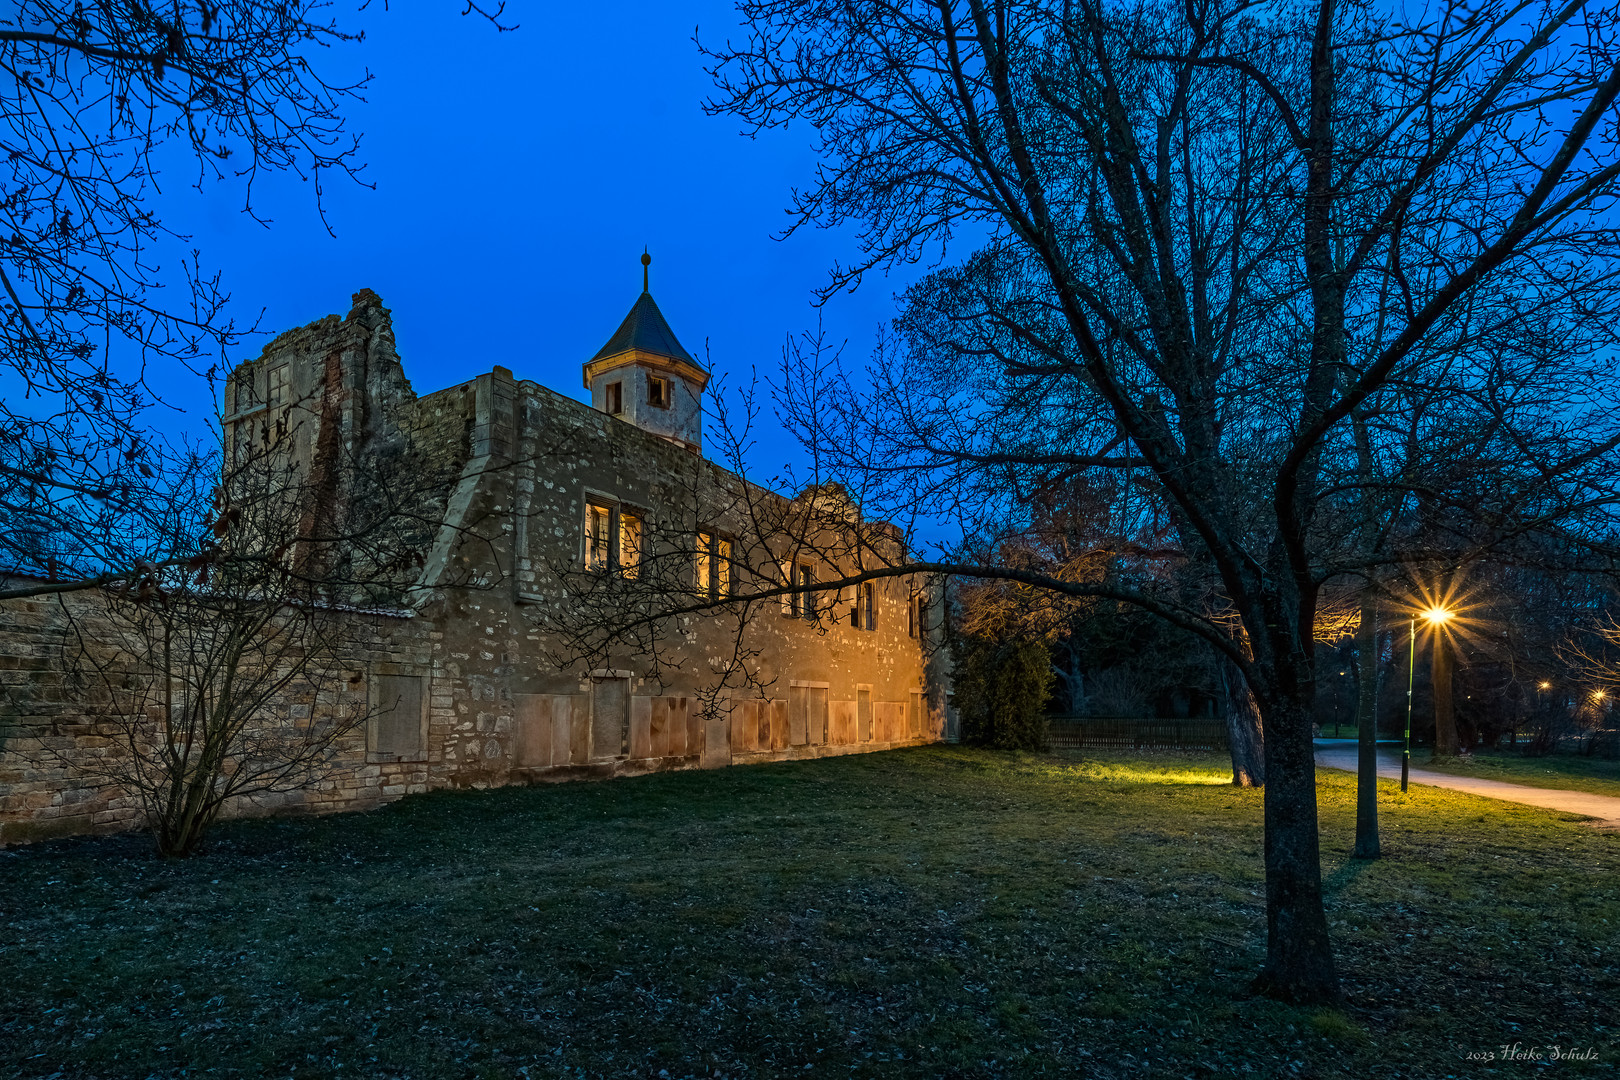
point(1225, 240)
point(97, 294)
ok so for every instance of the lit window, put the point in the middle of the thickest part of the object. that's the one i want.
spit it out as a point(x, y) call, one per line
point(711, 567)
point(629, 543)
point(658, 391)
point(703, 570)
point(598, 536)
point(613, 398)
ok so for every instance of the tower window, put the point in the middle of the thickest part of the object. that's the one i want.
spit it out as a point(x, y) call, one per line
point(658, 391)
point(613, 398)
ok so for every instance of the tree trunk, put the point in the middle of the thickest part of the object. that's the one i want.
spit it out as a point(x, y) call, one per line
point(1445, 718)
point(1367, 729)
point(1299, 964)
point(1245, 733)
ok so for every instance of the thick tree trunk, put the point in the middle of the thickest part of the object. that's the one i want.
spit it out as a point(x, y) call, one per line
point(1445, 717)
point(1299, 956)
point(1245, 734)
point(1367, 730)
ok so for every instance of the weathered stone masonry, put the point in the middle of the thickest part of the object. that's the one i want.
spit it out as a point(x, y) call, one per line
point(510, 468)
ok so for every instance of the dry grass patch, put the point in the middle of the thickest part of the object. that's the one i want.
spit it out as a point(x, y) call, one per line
point(930, 913)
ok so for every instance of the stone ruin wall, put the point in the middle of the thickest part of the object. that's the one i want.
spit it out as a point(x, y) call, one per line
point(515, 461)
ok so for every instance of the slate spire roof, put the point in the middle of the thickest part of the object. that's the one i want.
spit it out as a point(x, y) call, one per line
point(645, 329)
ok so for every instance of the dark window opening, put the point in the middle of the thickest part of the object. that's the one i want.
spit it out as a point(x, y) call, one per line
point(807, 599)
point(613, 395)
point(658, 392)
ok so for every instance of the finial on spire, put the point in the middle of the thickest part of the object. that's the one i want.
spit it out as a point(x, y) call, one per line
point(646, 261)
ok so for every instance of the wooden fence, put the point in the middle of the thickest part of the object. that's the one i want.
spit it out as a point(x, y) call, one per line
point(1091, 733)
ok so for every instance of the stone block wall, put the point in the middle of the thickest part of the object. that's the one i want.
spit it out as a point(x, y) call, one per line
point(510, 466)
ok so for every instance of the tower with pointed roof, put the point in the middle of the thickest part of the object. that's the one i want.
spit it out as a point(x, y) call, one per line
point(645, 377)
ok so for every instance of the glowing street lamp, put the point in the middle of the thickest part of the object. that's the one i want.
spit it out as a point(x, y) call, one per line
point(1435, 617)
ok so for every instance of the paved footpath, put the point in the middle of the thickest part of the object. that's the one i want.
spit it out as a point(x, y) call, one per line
point(1341, 754)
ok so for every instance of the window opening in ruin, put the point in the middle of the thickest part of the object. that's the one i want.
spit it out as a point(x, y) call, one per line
point(866, 605)
point(915, 611)
point(398, 727)
point(806, 599)
point(816, 725)
point(277, 399)
point(610, 717)
point(598, 536)
point(722, 568)
point(614, 395)
point(703, 565)
point(629, 543)
point(658, 391)
point(711, 566)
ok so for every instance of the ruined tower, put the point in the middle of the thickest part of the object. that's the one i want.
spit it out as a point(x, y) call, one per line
point(644, 377)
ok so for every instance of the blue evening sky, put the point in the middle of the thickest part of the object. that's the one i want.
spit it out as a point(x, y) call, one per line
point(518, 177)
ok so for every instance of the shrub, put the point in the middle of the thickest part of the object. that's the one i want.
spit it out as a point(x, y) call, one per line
point(1002, 686)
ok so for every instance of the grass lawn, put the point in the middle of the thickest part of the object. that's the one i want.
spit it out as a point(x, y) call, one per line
point(938, 912)
point(1591, 774)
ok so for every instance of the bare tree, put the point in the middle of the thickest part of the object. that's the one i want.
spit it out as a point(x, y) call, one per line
point(95, 291)
point(1191, 212)
point(224, 674)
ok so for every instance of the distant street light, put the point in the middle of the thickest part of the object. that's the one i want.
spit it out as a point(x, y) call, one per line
point(1434, 616)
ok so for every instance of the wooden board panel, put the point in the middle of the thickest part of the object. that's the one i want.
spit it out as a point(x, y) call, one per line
point(779, 724)
point(816, 720)
point(798, 707)
point(579, 728)
point(888, 717)
point(841, 720)
point(641, 727)
point(696, 730)
point(744, 727)
point(677, 726)
point(658, 722)
point(531, 742)
point(561, 729)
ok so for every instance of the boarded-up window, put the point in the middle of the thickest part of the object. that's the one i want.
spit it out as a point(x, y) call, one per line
point(397, 728)
point(916, 718)
point(816, 721)
point(798, 710)
point(610, 717)
point(863, 714)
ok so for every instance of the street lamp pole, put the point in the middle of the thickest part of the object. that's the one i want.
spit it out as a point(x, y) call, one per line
point(1411, 674)
point(1434, 616)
